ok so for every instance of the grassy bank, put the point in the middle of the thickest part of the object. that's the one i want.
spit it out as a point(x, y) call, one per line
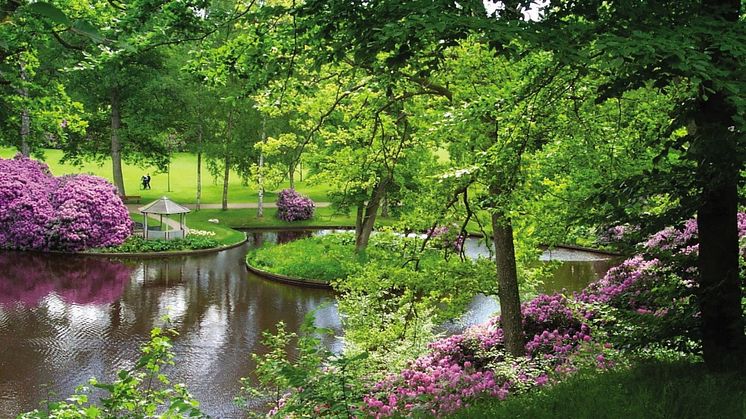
point(246, 218)
point(649, 390)
point(333, 257)
point(183, 180)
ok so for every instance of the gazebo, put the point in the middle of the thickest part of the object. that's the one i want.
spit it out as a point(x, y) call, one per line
point(164, 206)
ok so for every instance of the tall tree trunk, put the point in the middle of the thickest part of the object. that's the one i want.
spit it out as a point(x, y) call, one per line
point(226, 178)
point(198, 201)
point(260, 203)
point(723, 340)
point(116, 147)
point(291, 176)
point(25, 116)
point(719, 167)
point(507, 281)
point(385, 206)
point(359, 218)
point(369, 218)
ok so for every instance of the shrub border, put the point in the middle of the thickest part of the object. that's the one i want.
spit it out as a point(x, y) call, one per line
point(153, 255)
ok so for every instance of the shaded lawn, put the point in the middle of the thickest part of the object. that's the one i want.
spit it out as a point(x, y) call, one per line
point(649, 390)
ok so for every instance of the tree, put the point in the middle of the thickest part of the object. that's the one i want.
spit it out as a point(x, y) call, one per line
point(699, 44)
point(117, 72)
point(35, 110)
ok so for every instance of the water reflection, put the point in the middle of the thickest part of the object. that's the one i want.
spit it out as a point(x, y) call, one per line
point(91, 320)
point(27, 279)
point(65, 319)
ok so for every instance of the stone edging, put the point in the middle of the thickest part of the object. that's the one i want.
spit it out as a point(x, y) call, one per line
point(150, 255)
point(298, 282)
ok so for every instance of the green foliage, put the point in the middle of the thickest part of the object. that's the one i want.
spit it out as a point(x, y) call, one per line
point(135, 244)
point(143, 391)
point(313, 383)
point(332, 257)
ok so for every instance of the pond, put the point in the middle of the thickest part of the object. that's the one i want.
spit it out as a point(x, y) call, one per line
point(65, 319)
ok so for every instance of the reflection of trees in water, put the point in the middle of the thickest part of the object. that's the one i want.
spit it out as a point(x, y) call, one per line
point(218, 308)
point(27, 278)
point(259, 238)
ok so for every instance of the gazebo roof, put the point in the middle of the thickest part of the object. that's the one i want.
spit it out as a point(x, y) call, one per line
point(163, 206)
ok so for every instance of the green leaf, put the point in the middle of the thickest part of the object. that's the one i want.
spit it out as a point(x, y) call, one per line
point(49, 11)
point(85, 28)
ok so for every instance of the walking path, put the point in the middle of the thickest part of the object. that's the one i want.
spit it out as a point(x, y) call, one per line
point(232, 205)
point(135, 208)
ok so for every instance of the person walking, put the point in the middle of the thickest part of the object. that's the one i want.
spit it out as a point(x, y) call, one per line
point(147, 181)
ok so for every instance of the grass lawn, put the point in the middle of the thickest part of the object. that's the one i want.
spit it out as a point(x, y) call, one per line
point(650, 390)
point(224, 235)
point(183, 180)
point(246, 218)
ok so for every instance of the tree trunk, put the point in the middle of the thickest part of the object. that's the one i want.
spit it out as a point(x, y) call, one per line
point(226, 178)
point(385, 206)
point(723, 340)
point(116, 147)
point(291, 176)
point(369, 218)
point(507, 280)
point(359, 218)
point(198, 201)
point(719, 166)
point(25, 117)
point(260, 203)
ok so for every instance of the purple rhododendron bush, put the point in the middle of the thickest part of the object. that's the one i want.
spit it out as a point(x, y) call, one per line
point(69, 213)
point(292, 206)
point(645, 304)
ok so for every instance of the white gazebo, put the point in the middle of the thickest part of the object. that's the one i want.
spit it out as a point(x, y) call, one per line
point(161, 207)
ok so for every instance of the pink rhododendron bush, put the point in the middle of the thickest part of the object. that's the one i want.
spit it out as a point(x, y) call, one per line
point(292, 206)
point(71, 213)
point(645, 304)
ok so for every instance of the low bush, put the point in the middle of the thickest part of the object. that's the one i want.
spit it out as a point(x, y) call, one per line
point(292, 206)
point(142, 391)
point(136, 244)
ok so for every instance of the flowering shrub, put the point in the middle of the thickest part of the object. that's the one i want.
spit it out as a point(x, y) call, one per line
point(70, 213)
point(445, 239)
point(292, 206)
point(25, 209)
point(646, 300)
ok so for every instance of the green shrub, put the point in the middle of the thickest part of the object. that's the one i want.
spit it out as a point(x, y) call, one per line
point(139, 245)
point(140, 392)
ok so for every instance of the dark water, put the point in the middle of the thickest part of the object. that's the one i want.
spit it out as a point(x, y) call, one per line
point(65, 319)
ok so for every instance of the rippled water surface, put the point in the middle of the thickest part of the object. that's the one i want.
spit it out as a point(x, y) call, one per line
point(65, 319)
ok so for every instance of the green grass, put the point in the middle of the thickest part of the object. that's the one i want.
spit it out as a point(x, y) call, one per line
point(224, 235)
point(183, 180)
point(332, 257)
point(649, 390)
point(246, 218)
